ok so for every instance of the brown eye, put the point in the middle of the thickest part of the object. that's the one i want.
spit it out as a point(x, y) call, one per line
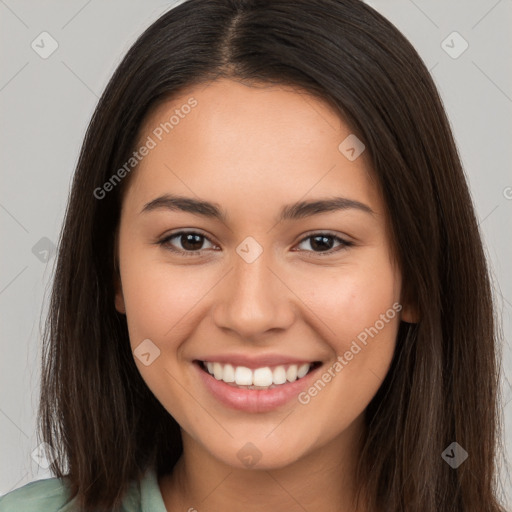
point(323, 243)
point(191, 242)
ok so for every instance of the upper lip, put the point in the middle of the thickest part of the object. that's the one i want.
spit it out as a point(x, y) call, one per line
point(256, 361)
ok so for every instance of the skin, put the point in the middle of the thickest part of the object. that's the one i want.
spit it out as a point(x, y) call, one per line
point(253, 150)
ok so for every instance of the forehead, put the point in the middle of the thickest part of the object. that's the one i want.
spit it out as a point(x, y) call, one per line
point(225, 138)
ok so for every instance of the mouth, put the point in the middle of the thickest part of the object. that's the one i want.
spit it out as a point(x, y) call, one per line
point(266, 377)
point(256, 390)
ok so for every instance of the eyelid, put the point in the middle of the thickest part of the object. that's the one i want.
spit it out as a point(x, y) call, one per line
point(317, 232)
point(344, 243)
point(164, 241)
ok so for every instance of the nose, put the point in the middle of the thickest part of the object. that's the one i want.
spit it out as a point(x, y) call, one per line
point(254, 299)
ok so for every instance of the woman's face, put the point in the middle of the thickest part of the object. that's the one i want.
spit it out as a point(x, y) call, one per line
point(269, 283)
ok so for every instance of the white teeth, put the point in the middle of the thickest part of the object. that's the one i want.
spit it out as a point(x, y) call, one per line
point(279, 375)
point(303, 369)
point(229, 373)
point(243, 376)
point(260, 377)
point(217, 371)
point(291, 373)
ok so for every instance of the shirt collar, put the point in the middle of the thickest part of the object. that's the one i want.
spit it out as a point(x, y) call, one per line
point(151, 499)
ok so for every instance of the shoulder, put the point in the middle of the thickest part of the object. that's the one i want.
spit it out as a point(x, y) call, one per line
point(53, 495)
point(48, 495)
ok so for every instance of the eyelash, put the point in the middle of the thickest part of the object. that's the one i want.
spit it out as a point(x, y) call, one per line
point(165, 243)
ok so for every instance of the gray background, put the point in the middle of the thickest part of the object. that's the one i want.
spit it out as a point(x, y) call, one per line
point(46, 104)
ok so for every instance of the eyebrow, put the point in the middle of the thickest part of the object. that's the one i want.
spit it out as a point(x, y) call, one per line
point(298, 210)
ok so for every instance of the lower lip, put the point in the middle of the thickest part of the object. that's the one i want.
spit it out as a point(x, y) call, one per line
point(254, 400)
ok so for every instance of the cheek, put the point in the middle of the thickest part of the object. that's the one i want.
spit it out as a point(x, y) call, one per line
point(352, 298)
point(360, 305)
point(362, 311)
point(158, 297)
point(161, 300)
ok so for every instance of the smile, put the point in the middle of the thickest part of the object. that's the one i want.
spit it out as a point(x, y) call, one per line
point(255, 390)
point(259, 378)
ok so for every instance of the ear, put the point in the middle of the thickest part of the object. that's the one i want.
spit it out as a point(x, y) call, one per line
point(410, 314)
point(118, 287)
point(119, 298)
point(410, 311)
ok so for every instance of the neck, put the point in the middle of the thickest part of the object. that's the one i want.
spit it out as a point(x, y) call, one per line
point(321, 480)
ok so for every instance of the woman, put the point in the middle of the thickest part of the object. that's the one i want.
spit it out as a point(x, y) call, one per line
point(271, 291)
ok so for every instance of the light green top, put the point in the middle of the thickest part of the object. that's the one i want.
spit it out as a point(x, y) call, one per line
point(51, 495)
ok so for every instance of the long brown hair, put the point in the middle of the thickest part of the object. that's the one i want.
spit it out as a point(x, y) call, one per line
point(104, 424)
